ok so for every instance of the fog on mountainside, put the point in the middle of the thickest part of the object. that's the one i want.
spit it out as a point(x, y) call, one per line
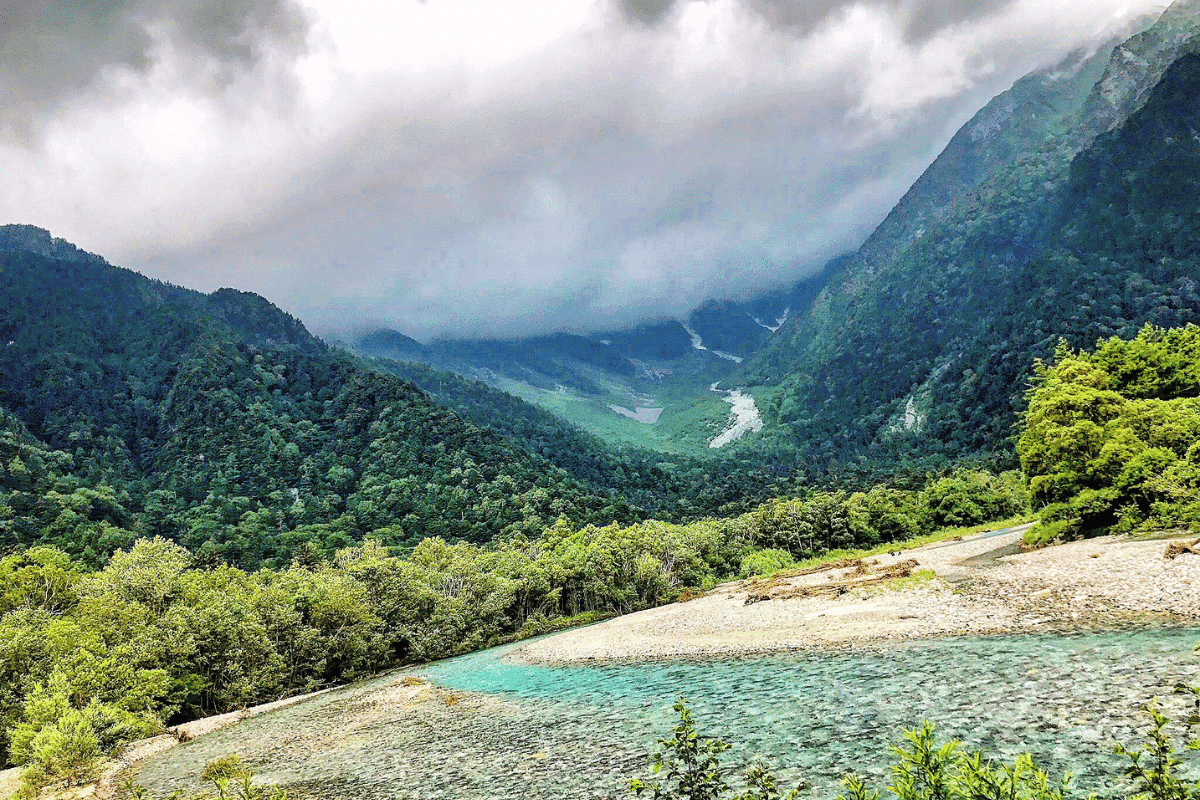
point(205, 507)
point(926, 340)
point(496, 172)
point(921, 341)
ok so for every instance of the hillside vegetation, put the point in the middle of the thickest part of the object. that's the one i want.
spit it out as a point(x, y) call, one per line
point(1111, 438)
point(132, 408)
point(924, 340)
point(90, 659)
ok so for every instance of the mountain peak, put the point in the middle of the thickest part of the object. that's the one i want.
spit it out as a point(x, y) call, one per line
point(33, 239)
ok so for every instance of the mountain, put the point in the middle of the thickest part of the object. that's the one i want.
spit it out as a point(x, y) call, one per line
point(664, 486)
point(923, 341)
point(131, 407)
point(650, 386)
point(1066, 208)
point(918, 346)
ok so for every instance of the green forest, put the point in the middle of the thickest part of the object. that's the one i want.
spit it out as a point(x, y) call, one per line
point(1111, 438)
point(130, 408)
point(92, 657)
point(205, 507)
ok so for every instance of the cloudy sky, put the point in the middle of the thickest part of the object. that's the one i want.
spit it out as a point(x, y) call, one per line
point(501, 167)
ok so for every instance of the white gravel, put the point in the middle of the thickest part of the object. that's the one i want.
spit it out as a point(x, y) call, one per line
point(1059, 587)
point(743, 418)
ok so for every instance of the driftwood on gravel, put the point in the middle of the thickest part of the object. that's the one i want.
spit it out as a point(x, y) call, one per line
point(828, 566)
point(777, 588)
point(764, 585)
point(1179, 548)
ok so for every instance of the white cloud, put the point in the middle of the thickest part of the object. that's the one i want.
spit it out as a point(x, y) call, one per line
point(459, 167)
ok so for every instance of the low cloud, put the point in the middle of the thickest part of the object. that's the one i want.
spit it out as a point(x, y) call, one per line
point(449, 168)
point(920, 19)
point(646, 12)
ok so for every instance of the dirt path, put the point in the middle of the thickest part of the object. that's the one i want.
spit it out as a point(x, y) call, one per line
point(982, 585)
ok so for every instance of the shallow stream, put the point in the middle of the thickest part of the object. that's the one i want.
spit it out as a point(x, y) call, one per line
point(583, 731)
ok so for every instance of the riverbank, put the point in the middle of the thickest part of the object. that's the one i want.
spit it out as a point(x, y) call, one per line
point(978, 585)
point(485, 727)
point(113, 776)
point(981, 585)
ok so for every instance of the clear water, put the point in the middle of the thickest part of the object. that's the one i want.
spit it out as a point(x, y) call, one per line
point(583, 731)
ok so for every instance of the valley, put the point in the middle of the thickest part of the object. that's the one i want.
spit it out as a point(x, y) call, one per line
point(591, 381)
point(949, 476)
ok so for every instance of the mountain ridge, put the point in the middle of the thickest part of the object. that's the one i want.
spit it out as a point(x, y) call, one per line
point(893, 355)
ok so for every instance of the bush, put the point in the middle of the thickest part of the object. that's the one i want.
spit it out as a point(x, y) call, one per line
point(66, 752)
point(231, 779)
point(1045, 533)
point(1157, 777)
point(692, 766)
point(48, 715)
point(969, 498)
point(765, 562)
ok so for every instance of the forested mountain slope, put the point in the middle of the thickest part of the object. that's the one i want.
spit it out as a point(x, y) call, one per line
point(925, 339)
point(666, 486)
point(132, 407)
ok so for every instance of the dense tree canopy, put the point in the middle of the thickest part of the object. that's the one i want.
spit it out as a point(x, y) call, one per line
point(1111, 438)
point(161, 634)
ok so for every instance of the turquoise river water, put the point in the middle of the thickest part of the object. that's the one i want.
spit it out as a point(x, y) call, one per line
point(583, 731)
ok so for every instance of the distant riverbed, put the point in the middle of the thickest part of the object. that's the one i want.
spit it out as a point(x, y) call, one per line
point(743, 418)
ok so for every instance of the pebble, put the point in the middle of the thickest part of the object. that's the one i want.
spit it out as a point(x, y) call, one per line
point(1061, 588)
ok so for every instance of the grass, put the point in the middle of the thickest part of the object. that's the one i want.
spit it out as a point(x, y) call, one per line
point(1046, 533)
point(921, 577)
point(694, 424)
point(692, 415)
point(681, 429)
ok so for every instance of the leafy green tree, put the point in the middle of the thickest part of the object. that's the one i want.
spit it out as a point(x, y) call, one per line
point(1108, 440)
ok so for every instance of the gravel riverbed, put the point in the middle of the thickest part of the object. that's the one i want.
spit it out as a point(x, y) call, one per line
point(983, 585)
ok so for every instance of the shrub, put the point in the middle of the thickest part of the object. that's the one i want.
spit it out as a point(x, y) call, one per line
point(1157, 777)
point(765, 562)
point(67, 751)
point(693, 770)
point(927, 770)
point(231, 779)
point(49, 709)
